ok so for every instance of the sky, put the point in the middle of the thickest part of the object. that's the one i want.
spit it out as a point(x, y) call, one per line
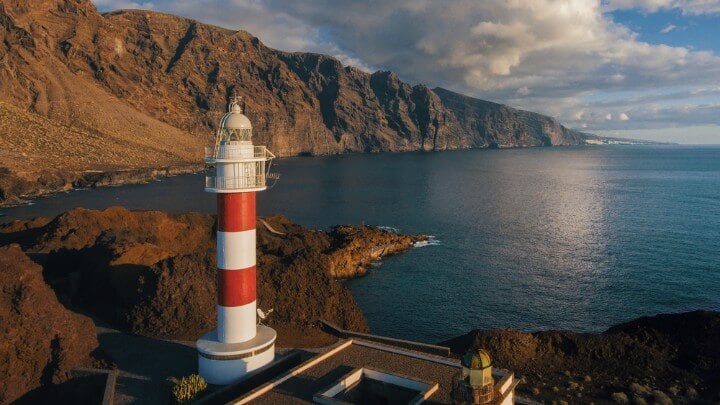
point(646, 69)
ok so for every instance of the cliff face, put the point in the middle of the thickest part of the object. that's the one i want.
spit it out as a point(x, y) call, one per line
point(135, 88)
point(497, 125)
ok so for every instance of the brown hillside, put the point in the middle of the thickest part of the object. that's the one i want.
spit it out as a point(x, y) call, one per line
point(31, 141)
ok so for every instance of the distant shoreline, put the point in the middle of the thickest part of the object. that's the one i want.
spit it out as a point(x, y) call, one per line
point(17, 190)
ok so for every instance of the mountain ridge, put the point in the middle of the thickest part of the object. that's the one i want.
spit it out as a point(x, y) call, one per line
point(155, 85)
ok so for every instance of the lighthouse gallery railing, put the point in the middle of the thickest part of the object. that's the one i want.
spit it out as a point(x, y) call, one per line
point(235, 183)
point(230, 152)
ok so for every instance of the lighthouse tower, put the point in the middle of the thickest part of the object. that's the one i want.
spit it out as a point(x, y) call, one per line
point(239, 345)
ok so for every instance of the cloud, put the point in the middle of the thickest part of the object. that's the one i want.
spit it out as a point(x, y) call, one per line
point(695, 134)
point(694, 7)
point(668, 28)
point(524, 91)
point(559, 57)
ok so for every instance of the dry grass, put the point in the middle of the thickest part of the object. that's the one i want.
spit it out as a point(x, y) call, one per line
point(30, 143)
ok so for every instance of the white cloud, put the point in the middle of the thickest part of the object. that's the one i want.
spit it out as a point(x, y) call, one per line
point(693, 134)
point(558, 57)
point(686, 6)
point(524, 91)
point(668, 28)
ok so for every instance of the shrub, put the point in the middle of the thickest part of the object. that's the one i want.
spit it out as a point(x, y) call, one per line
point(188, 388)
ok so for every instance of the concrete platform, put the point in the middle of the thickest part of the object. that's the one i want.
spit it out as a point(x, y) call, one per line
point(225, 363)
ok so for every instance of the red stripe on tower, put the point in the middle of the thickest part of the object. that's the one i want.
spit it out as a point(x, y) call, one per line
point(236, 212)
point(236, 287)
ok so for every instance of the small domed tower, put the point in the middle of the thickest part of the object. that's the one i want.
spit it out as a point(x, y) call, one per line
point(475, 383)
point(239, 345)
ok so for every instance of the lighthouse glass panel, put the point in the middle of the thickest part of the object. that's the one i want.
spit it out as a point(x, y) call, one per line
point(235, 135)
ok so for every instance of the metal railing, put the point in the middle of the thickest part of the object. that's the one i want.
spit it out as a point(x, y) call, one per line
point(232, 152)
point(235, 183)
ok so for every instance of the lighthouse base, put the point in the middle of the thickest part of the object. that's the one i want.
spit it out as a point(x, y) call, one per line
point(225, 363)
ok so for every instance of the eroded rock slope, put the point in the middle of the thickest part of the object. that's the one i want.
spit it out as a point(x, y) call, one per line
point(153, 273)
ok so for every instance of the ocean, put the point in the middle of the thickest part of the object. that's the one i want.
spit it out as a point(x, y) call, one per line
point(576, 238)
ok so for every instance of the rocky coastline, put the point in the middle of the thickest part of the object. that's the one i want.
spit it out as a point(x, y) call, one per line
point(17, 189)
point(151, 274)
point(661, 359)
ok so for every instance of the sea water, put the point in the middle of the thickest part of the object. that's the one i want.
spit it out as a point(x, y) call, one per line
point(576, 238)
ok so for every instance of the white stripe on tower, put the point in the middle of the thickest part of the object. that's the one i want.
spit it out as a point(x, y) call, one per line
point(237, 324)
point(236, 250)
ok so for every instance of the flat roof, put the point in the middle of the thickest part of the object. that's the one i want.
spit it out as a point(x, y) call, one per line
point(314, 376)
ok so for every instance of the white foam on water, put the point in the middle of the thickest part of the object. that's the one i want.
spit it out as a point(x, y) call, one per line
point(432, 241)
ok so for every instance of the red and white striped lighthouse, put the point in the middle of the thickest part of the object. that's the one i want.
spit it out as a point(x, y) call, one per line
point(239, 345)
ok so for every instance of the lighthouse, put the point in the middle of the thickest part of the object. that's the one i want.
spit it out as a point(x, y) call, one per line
point(240, 344)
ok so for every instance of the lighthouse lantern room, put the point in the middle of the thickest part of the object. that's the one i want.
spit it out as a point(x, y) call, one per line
point(240, 344)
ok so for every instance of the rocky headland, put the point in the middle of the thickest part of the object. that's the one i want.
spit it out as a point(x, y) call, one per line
point(663, 359)
point(153, 274)
point(132, 89)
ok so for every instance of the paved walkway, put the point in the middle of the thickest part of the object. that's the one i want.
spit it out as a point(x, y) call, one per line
point(145, 365)
point(270, 228)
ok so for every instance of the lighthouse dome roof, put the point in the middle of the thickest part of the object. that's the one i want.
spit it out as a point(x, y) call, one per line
point(477, 360)
point(235, 119)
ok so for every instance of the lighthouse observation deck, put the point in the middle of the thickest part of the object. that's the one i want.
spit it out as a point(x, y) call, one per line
point(238, 167)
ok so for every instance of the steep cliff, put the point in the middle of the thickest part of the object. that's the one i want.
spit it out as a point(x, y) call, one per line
point(135, 88)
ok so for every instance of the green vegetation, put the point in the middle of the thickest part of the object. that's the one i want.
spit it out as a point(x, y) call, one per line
point(188, 388)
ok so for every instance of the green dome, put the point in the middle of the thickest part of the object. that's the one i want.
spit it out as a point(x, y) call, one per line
point(477, 360)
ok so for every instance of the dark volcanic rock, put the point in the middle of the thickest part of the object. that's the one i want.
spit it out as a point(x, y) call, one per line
point(354, 248)
point(40, 340)
point(153, 273)
point(672, 353)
